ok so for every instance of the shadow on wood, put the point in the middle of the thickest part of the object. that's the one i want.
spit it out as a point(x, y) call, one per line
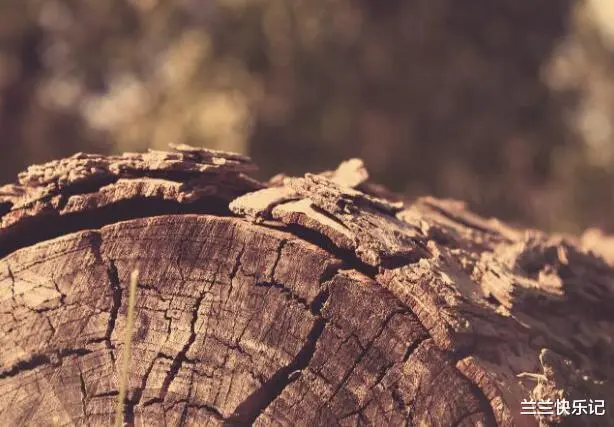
point(303, 301)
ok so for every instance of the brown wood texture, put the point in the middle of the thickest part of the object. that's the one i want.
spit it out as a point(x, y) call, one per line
point(319, 300)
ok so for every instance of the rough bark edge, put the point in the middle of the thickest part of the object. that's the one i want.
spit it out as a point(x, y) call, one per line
point(481, 288)
point(458, 317)
point(88, 191)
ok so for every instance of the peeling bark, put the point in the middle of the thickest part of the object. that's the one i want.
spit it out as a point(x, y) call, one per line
point(318, 300)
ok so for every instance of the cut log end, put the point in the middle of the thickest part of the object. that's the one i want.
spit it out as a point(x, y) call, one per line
point(315, 301)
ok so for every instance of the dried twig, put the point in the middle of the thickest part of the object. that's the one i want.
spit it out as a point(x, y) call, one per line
point(119, 411)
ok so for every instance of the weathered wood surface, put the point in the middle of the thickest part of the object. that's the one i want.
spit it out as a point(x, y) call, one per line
point(305, 301)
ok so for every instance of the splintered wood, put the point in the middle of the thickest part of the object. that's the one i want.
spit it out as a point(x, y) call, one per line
point(317, 300)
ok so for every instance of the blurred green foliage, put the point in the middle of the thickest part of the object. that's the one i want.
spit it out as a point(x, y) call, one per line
point(506, 104)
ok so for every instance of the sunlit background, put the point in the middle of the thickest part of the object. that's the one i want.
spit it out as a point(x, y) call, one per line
point(506, 104)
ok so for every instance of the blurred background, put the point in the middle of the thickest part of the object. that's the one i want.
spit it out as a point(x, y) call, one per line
point(506, 104)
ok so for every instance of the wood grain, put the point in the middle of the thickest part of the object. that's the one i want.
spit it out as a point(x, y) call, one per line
point(313, 300)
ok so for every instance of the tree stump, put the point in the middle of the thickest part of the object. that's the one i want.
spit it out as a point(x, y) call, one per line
point(319, 300)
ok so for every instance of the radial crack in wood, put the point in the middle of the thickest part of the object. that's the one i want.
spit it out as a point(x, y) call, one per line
point(324, 303)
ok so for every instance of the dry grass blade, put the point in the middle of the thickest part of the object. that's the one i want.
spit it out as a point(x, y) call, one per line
point(119, 412)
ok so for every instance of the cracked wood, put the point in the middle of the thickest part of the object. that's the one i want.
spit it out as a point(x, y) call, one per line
point(324, 301)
